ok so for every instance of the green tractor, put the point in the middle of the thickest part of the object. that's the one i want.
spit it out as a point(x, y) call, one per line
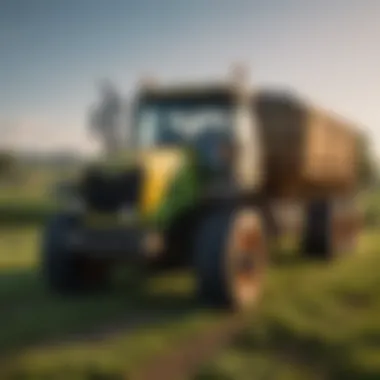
point(196, 190)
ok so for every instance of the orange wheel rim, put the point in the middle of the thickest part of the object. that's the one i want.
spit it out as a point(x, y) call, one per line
point(246, 259)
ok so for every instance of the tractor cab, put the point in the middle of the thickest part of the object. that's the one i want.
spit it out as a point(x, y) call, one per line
point(215, 121)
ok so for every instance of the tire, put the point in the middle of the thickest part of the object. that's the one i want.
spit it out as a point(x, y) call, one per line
point(329, 231)
point(316, 234)
point(63, 270)
point(220, 279)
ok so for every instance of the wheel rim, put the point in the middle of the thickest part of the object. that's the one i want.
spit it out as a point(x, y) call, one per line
point(246, 259)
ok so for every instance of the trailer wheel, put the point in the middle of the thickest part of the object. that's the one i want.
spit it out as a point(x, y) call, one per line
point(231, 258)
point(329, 232)
point(63, 270)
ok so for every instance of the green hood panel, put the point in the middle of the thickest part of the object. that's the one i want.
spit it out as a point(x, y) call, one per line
point(171, 182)
point(183, 192)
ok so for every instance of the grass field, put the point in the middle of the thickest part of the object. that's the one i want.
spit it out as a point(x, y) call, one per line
point(28, 201)
point(88, 337)
point(317, 321)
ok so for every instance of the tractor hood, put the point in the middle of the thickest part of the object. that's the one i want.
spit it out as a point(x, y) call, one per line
point(155, 182)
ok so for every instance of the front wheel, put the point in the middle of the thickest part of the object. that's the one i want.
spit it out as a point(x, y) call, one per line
point(63, 270)
point(231, 258)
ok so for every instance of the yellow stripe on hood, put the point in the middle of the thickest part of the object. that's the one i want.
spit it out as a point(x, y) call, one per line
point(160, 166)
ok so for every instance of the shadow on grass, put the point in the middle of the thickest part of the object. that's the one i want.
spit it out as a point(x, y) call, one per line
point(33, 316)
point(82, 331)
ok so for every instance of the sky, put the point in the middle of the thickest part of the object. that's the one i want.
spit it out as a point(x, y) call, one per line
point(54, 52)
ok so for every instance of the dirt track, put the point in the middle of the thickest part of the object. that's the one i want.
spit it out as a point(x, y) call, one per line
point(183, 361)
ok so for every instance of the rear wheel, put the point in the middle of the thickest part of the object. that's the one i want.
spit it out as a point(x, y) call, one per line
point(231, 258)
point(63, 270)
point(330, 230)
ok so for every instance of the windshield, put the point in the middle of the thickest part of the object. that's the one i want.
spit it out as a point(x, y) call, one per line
point(181, 124)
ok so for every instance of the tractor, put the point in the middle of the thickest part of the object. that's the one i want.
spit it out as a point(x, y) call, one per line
point(195, 188)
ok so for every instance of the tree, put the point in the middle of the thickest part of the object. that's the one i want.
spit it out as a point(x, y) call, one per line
point(106, 117)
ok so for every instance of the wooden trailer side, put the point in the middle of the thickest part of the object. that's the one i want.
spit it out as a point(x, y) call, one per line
point(328, 158)
point(280, 123)
point(307, 151)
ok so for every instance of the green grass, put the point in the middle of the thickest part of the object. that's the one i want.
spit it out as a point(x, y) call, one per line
point(315, 319)
point(25, 213)
point(135, 320)
point(315, 322)
point(29, 201)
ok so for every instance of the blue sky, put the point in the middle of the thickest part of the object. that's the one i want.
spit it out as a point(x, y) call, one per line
point(52, 53)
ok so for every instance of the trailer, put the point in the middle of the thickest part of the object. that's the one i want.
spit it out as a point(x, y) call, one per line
point(197, 186)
